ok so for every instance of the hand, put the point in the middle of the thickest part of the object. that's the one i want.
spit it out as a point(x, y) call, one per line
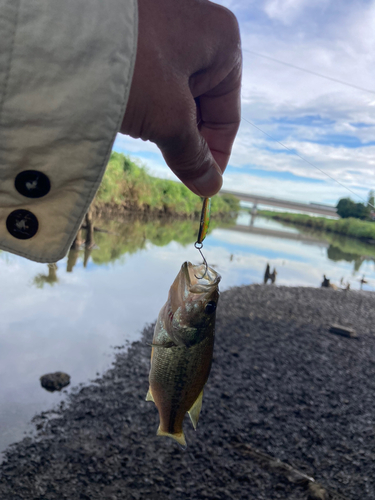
point(185, 92)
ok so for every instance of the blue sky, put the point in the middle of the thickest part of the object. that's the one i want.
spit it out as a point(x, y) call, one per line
point(330, 124)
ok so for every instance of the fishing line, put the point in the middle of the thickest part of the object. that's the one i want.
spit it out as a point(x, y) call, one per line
point(309, 162)
point(309, 71)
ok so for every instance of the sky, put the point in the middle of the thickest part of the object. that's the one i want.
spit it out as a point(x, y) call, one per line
point(330, 124)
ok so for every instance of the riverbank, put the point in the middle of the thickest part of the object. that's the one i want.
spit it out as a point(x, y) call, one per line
point(128, 188)
point(354, 228)
point(280, 383)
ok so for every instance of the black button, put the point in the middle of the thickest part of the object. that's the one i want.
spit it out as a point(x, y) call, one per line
point(32, 184)
point(22, 224)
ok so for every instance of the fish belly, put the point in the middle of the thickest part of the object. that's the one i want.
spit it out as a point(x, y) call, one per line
point(177, 377)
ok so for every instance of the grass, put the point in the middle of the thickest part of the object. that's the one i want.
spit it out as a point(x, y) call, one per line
point(355, 228)
point(128, 186)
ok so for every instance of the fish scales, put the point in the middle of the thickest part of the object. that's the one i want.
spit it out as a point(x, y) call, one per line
point(182, 350)
point(178, 376)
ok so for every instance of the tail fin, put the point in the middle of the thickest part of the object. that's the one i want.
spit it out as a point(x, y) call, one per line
point(179, 437)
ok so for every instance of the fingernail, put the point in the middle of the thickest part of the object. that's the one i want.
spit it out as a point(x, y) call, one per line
point(208, 184)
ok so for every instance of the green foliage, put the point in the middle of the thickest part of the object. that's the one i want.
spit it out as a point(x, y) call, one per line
point(128, 185)
point(348, 208)
point(176, 198)
point(124, 183)
point(231, 201)
point(352, 227)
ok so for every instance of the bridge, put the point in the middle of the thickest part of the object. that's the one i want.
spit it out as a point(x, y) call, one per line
point(315, 208)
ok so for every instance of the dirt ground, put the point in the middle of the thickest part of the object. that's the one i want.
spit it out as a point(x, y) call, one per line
point(286, 401)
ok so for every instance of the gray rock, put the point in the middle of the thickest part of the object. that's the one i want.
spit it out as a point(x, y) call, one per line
point(55, 381)
point(317, 492)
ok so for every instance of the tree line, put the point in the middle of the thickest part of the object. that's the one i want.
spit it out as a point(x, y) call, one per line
point(365, 211)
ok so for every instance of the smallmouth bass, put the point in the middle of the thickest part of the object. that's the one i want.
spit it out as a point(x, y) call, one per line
point(182, 348)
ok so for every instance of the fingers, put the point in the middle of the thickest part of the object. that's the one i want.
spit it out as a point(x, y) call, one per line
point(198, 155)
point(220, 115)
point(189, 157)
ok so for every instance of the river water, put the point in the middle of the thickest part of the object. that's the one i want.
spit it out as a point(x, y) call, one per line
point(70, 317)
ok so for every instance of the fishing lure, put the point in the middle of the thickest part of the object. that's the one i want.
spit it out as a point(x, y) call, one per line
point(205, 221)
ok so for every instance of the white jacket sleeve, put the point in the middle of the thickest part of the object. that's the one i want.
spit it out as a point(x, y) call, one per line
point(65, 73)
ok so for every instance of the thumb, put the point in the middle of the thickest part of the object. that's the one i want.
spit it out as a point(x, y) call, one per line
point(187, 154)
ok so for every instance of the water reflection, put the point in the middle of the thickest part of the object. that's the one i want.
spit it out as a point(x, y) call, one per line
point(67, 317)
point(50, 278)
point(340, 247)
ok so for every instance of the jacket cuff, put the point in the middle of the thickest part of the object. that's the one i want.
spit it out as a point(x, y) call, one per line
point(65, 76)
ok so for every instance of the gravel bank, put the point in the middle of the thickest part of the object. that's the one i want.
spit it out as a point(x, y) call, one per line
point(280, 384)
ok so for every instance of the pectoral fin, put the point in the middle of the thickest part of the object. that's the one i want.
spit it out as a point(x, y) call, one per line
point(195, 410)
point(149, 396)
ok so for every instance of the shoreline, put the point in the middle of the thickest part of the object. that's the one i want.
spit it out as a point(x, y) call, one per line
point(347, 228)
point(117, 212)
point(280, 383)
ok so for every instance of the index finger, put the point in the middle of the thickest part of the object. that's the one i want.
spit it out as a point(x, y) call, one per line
point(220, 116)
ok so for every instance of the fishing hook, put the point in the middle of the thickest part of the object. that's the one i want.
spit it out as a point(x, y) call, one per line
point(199, 247)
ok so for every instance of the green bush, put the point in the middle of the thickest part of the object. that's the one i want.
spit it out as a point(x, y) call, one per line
point(128, 185)
point(348, 208)
point(355, 228)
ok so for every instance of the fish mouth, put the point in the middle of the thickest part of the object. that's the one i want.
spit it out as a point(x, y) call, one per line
point(199, 278)
point(191, 283)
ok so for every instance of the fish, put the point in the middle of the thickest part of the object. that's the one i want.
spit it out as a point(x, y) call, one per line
point(182, 348)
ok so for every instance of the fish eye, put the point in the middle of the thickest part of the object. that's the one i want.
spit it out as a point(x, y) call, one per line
point(210, 307)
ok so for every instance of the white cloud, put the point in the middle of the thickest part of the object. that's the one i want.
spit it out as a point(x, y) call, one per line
point(286, 11)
